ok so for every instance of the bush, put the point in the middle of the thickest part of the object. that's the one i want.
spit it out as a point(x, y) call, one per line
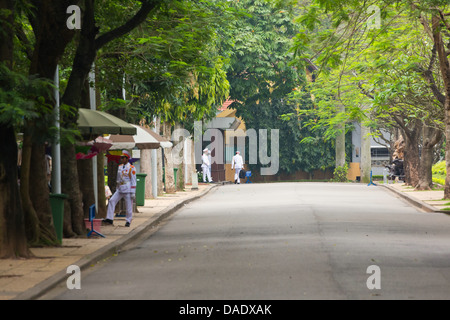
point(439, 169)
point(340, 173)
point(439, 172)
point(440, 181)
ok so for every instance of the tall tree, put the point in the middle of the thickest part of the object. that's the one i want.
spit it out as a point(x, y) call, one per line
point(169, 67)
point(13, 241)
point(262, 81)
point(440, 26)
point(383, 68)
point(90, 42)
point(51, 36)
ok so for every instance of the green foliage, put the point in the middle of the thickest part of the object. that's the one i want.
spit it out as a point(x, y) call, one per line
point(439, 168)
point(22, 98)
point(116, 106)
point(439, 180)
point(171, 62)
point(439, 172)
point(377, 75)
point(262, 81)
point(340, 173)
point(314, 150)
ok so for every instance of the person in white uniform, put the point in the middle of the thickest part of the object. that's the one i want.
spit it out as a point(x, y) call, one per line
point(126, 188)
point(206, 166)
point(237, 163)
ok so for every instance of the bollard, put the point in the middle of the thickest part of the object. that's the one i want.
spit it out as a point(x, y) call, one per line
point(371, 182)
point(194, 181)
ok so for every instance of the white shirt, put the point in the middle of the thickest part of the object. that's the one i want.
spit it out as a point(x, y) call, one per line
point(205, 160)
point(126, 178)
point(237, 162)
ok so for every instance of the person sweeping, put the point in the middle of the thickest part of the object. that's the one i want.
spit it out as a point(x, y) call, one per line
point(126, 189)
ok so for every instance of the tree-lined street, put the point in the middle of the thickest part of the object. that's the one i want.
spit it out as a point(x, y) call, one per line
point(283, 241)
point(337, 92)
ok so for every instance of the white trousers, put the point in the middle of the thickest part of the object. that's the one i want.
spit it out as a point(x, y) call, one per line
point(206, 173)
point(113, 202)
point(236, 174)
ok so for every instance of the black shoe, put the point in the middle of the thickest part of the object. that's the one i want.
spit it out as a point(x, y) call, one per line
point(127, 224)
point(235, 181)
point(108, 221)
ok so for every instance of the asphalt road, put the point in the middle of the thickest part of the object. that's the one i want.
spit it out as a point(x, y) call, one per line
point(283, 241)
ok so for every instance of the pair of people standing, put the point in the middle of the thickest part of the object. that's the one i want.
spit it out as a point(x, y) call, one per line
point(126, 188)
point(237, 163)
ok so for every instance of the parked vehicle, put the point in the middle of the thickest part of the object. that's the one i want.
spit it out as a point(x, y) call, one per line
point(396, 170)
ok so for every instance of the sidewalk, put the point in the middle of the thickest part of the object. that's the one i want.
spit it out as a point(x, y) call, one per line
point(429, 201)
point(25, 279)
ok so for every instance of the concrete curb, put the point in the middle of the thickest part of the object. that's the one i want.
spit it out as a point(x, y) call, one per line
point(417, 203)
point(107, 251)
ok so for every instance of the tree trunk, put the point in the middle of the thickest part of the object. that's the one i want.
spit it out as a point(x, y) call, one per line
point(52, 36)
point(447, 148)
point(168, 161)
point(411, 155)
point(159, 163)
point(431, 136)
point(444, 65)
point(84, 167)
point(73, 208)
point(13, 240)
point(31, 220)
point(366, 157)
point(101, 210)
point(181, 165)
point(146, 167)
point(425, 175)
point(73, 95)
point(340, 141)
point(85, 176)
point(39, 194)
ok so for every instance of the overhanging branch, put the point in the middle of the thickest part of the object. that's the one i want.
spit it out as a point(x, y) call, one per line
point(428, 75)
point(137, 19)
